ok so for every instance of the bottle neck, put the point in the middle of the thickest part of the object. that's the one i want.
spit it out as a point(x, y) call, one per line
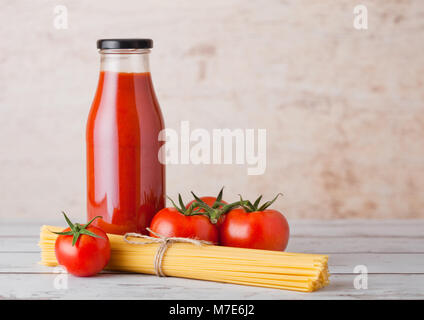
point(125, 60)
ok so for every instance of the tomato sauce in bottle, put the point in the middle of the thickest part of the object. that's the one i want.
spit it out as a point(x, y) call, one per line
point(125, 180)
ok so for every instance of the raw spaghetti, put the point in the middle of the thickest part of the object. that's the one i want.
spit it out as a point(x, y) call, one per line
point(263, 268)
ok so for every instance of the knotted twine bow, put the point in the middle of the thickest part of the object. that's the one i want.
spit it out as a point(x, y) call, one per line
point(165, 242)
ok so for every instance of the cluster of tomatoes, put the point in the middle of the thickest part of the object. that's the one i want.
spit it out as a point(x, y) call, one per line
point(85, 250)
point(239, 224)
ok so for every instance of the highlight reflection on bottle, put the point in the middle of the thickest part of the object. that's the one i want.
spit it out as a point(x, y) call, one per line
point(125, 180)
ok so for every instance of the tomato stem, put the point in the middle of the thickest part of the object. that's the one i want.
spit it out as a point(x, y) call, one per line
point(190, 211)
point(217, 209)
point(78, 229)
point(249, 207)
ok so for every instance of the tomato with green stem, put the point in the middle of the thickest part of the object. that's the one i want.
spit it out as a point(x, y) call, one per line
point(83, 250)
point(184, 221)
point(256, 227)
point(215, 208)
point(213, 202)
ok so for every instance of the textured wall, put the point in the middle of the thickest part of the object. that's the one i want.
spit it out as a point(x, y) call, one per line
point(343, 109)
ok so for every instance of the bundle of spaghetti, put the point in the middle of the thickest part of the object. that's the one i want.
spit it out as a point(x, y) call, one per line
point(263, 268)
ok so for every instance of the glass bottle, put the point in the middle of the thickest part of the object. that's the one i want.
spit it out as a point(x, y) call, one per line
point(125, 180)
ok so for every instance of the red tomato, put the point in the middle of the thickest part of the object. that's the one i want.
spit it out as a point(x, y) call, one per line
point(169, 222)
point(267, 229)
point(88, 256)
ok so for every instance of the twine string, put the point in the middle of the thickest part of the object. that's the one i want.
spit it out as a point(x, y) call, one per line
point(164, 242)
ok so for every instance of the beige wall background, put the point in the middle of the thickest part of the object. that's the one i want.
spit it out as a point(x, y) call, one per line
point(343, 108)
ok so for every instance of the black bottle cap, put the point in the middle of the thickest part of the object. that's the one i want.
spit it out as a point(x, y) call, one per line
point(124, 44)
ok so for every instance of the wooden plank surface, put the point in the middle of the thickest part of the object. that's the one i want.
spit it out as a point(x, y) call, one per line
point(392, 251)
point(302, 228)
point(130, 286)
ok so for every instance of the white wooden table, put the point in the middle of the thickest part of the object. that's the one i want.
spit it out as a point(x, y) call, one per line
point(392, 251)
